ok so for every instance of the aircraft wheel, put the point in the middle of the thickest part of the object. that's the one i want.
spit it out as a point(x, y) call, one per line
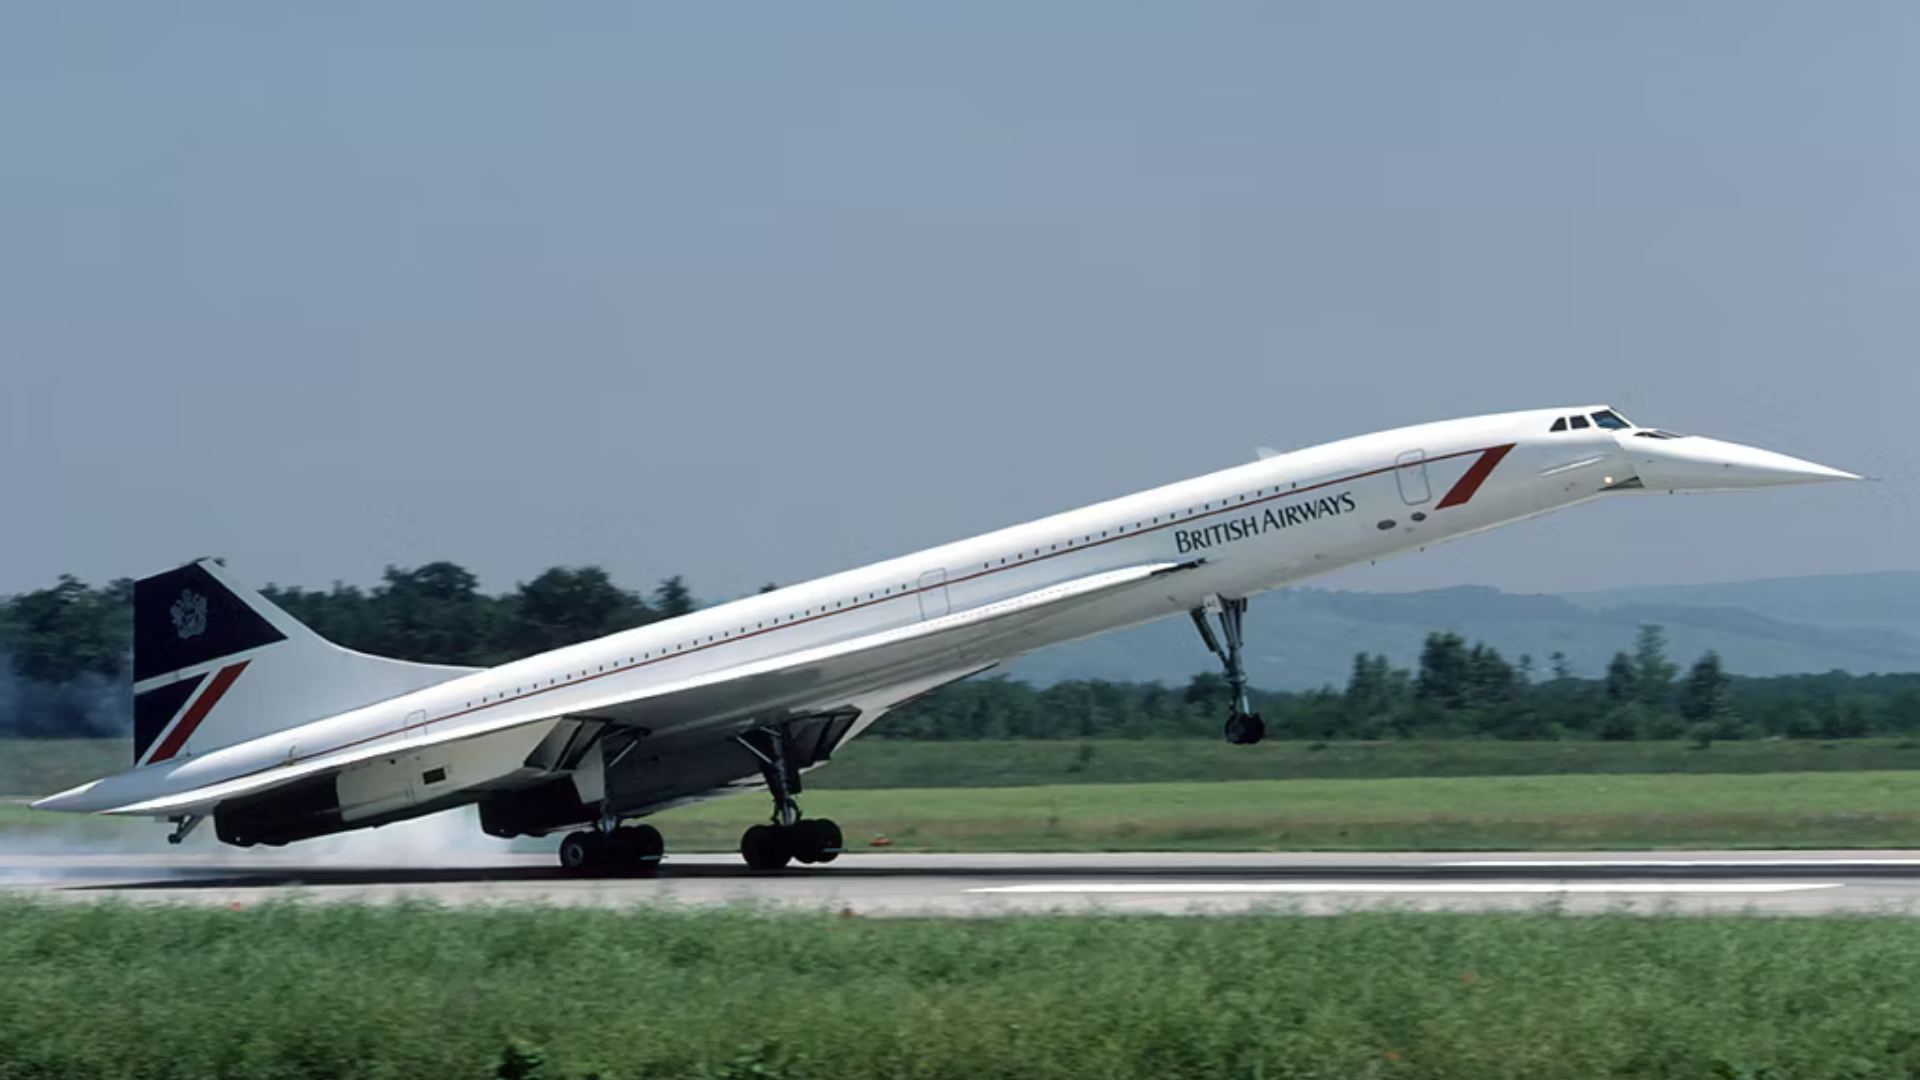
point(816, 840)
point(637, 849)
point(582, 853)
point(765, 847)
point(1245, 729)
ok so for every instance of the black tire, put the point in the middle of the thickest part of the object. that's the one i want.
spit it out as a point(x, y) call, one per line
point(815, 840)
point(582, 853)
point(637, 849)
point(1245, 730)
point(765, 847)
point(826, 841)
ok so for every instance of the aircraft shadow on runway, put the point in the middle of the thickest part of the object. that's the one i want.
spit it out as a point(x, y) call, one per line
point(320, 876)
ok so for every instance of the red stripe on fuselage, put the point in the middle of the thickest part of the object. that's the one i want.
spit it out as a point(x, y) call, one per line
point(1464, 488)
point(197, 712)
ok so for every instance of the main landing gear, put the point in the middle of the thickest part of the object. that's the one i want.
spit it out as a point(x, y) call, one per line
point(1244, 728)
point(613, 849)
point(787, 837)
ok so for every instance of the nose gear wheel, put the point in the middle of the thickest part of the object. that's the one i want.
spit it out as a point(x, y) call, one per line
point(1244, 727)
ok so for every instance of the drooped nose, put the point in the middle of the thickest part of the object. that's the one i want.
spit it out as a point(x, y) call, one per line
point(1693, 463)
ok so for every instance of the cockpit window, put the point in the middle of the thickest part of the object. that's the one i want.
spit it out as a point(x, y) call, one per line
point(1579, 422)
point(1651, 433)
point(1610, 420)
point(1559, 425)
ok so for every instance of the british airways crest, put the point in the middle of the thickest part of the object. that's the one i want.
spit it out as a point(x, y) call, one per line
point(190, 614)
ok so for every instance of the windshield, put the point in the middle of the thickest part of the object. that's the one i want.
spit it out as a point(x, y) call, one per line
point(1610, 420)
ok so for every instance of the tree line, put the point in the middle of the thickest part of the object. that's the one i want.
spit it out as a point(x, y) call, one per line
point(1456, 690)
point(68, 650)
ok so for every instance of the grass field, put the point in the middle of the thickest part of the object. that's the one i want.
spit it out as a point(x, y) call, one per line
point(876, 763)
point(40, 767)
point(1839, 810)
point(1631, 796)
point(1857, 809)
point(285, 991)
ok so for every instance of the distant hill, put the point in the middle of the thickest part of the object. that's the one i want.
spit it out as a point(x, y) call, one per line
point(1304, 638)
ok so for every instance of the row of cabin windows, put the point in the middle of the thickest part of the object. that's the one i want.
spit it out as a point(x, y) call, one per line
point(1178, 515)
point(903, 589)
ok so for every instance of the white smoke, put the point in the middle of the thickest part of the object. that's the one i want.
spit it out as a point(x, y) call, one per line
point(451, 838)
point(89, 706)
point(68, 848)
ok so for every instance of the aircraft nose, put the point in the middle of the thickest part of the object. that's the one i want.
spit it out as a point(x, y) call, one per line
point(1749, 466)
point(1693, 463)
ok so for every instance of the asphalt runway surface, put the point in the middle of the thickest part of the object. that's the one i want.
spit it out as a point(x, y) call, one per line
point(1768, 883)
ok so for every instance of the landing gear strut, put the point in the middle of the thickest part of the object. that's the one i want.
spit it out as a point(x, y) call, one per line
point(787, 837)
point(612, 849)
point(1244, 728)
point(183, 826)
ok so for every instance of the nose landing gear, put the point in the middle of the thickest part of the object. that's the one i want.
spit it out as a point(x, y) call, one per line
point(1243, 727)
point(787, 837)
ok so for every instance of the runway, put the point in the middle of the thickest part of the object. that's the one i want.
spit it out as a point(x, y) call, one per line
point(1769, 883)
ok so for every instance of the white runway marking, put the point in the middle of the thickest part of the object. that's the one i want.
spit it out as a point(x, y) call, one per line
point(1417, 887)
point(1642, 864)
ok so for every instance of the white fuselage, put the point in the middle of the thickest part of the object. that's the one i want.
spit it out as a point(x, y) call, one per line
point(1252, 529)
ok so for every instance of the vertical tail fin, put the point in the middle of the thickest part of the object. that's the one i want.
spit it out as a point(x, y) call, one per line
point(215, 663)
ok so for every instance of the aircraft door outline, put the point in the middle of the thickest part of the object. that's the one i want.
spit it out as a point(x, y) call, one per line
point(1410, 472)
point(933, 594)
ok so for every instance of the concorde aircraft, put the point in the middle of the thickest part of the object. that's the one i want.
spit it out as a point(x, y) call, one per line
point(245, 716)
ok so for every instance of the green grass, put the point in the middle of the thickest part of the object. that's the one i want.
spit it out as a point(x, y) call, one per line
point(1856, 809)
point(876, 763)
point(286, 991)
point(1787, 810)
point(41, 767)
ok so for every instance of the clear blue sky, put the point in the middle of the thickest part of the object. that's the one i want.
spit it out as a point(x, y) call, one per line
point(760, 293)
